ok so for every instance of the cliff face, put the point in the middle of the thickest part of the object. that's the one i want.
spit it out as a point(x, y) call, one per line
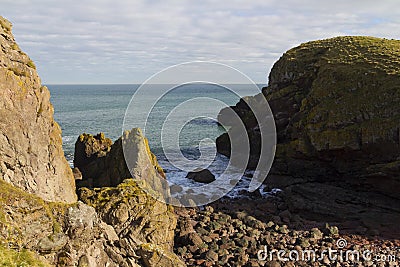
point(336, 108)
point(336, 101)
point(336, 105)
point(31, 155)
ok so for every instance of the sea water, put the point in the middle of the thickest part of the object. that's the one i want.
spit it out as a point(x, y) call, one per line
point(102, 108)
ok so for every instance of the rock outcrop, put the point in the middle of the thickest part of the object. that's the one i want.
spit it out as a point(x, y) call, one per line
point(144, 226)
point(102, 163)
point(201, 176)
point(125, 227)
point(31, 155)
point(336, 104)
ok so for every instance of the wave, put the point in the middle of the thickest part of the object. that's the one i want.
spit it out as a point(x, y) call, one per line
point(203, 122)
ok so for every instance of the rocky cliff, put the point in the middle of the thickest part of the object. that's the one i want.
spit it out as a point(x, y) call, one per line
point(41, 222)
point(336, 107)
point(31, 155)
point(336, 104)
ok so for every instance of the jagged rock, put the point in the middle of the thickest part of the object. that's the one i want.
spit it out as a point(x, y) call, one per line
point(77, 235)
point(128, 204)
point(61, 233)
point(138, 219)
point(340, 100)
point(31, 155)
point(154, 256)
point(88, 148)
point(103, 163)
point(201, 176)
point(64, 232)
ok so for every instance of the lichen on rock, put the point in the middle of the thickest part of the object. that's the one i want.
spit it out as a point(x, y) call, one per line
point(144, 225)
point(31, 155)
point(335, 102)
point(336, 105)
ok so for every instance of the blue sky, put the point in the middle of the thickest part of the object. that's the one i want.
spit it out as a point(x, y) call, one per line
point(127, 41)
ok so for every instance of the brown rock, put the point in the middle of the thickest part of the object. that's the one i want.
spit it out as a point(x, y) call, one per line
point(31, 155)
point(212, 256)
point(105, 164)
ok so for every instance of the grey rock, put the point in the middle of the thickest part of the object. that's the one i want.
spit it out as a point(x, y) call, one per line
point(201, 176)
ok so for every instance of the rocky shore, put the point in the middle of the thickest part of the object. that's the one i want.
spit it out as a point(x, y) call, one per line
point(107, 218)
point(230, 233)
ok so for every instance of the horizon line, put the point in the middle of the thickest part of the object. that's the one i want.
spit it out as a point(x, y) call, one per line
point(46, 84)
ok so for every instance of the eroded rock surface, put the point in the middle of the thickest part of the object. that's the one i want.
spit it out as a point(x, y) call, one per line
point(103, 163)
point(31, 155)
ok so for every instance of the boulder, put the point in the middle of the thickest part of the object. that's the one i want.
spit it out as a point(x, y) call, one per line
point(31, 155)
point(201, 176)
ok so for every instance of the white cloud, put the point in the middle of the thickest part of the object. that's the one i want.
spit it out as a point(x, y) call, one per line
point(125, 41)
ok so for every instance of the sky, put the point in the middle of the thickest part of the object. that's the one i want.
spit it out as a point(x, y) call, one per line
point(127, 41)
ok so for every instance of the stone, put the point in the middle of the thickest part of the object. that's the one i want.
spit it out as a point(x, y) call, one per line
point(52, 243)
point(77, 173)
point(175, 189)
point(31, 155)
point(109, 232)
point(201, 176)
point(212, 256)
point(154, 256)
point(81, 217)
point(316, 234)
point(88, 148)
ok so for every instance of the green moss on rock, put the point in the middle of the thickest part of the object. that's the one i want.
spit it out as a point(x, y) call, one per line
point(132, 202)
point(10, 257)
point(340, 100)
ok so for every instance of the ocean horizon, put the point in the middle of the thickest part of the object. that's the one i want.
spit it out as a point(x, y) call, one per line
point(99, 108)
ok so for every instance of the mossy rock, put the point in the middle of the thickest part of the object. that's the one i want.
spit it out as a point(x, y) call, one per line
point(132, 202)
point(336, 104)
point(347, 96)
point(23, 257)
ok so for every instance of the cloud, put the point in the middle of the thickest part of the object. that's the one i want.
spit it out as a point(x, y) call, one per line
point(126, 41)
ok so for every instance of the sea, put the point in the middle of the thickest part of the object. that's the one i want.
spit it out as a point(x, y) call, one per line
point(170, 116)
